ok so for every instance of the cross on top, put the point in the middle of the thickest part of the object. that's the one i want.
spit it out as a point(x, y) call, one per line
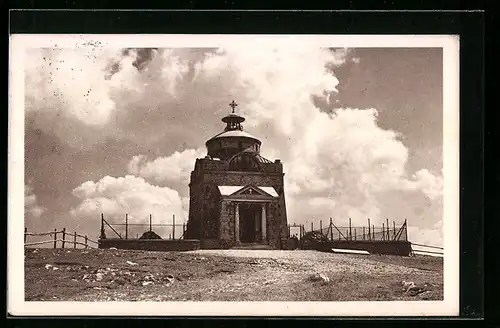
point(233, 105)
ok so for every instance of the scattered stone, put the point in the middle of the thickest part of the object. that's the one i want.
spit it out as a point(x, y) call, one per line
point(85, 276)
point(48, 266)
point(74, 280)
point(145, 283)
point(407, 285)
point(425, 295)
point(99, 276)
point(35, 251)
point(170, 279)
point(68, 252)
point(131, 263)
point(114, 248)
point(319, 277)
point(411, 288)
point(55, 268)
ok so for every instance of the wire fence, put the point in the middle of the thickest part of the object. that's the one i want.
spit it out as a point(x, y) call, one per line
point(125, 230)
point(386, 232)
point(370, 232)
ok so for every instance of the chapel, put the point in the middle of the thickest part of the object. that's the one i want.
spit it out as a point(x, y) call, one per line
point(236, 195)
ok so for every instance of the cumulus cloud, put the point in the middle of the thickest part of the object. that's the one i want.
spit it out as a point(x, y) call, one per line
point(432, 236)
point(115, 197)
point(172, 171)
point(31, 206)
point(74, 82)
point(337, 164)
point(338, 161)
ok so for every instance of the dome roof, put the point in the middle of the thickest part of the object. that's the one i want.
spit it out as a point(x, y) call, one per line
point(233, 117)
point(234, 133)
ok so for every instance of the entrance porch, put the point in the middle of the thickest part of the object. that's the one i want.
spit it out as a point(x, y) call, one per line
point(250, 223)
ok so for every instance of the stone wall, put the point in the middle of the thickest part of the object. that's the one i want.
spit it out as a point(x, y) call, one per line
point(206, 165)
point(242, 178)
point(151, 244)
point(210, 211)
point(226, 222)
point(273, 224)
point(401, 248)
point(211, 218)
point(195, 214)
point(210, 244)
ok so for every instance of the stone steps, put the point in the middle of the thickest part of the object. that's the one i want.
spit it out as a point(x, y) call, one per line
point(252, 246)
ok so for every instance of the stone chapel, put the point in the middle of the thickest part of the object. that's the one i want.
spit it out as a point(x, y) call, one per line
point(236, 195)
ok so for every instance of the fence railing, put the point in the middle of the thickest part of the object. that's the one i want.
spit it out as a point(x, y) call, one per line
point(127, 230)
point(64, 238)
point(427, 250)
point(351, 233)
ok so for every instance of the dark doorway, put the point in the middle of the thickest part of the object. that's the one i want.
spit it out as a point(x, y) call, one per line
point(249, 222)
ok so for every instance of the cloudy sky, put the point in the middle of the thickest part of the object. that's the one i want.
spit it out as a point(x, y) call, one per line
point(117, 131)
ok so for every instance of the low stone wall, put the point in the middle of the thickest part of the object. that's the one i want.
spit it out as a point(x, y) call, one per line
point(151, 244)
point(210, 244)
point(401, 248)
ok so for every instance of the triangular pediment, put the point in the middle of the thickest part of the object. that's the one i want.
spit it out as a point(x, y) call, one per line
point(252, 190)
point(249, 190)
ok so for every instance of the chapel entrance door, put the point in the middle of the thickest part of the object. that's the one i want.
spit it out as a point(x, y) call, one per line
point(249, 222)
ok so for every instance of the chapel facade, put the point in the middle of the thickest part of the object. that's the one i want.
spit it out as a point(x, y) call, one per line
point(236, 195)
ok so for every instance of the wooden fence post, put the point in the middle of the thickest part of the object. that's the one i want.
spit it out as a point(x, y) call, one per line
point(363, 233)
point(25, 234)
point(312, 226)
point(394, 229)
point(64, 237)
point(126, 226)
point(383, 232)
point(74, 240)
point(331, 229)
point(150, 222)
point(86, 240)
point(355, 234)
point(388, 229)
point(173, 226)
point(373, 229)
point(369, 230)
point(183, 229)
point(350, 230)
point(321, 227)
point(406, 231)
point(103, 233)
point(55, 238)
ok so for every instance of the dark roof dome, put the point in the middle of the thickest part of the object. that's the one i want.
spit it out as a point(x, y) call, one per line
point(233, 118)
point(233, 139)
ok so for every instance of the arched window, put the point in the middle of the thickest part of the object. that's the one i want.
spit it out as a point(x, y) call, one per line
point(244, 162)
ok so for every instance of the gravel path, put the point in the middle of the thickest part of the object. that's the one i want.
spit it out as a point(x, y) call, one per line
point(317, 261)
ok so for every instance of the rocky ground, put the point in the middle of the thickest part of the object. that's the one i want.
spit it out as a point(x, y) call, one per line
point(227, 275)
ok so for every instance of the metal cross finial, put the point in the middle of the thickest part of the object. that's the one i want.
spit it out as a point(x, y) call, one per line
point(233, 105)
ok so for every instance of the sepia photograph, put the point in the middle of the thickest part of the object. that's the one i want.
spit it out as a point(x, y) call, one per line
point(265, 173)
